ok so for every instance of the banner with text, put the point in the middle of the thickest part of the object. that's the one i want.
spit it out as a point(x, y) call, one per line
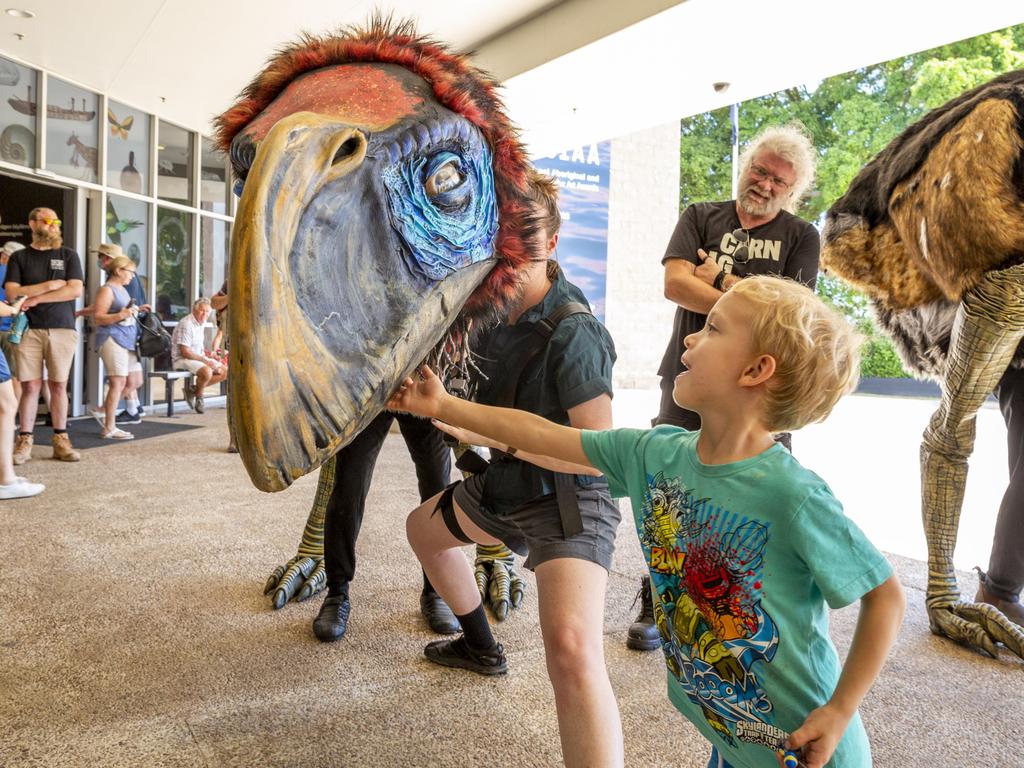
point(583, 174)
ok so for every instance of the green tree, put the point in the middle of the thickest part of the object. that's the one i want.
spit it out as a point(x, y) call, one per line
point(850, 118)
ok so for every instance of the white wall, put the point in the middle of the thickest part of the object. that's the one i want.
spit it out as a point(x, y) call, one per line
point(643, 206)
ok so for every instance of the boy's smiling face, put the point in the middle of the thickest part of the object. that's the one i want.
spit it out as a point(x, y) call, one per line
point(716, 357)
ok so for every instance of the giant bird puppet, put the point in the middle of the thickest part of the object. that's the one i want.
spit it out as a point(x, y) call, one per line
point(933, 231)
point(383, 215)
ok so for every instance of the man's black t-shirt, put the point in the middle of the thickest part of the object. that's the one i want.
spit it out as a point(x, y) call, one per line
point(786, 246)
point(30, 267)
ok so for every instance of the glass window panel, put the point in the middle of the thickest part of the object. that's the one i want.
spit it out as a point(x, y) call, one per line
point(174, 164)
point(213, 183)
point(173, 250)
point(214, 243)
point(127, 148)
point(72, 130)
point(128, 226)
point(18, 108)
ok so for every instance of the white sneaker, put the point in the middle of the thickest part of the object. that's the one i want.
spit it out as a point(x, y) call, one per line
point(20, 489)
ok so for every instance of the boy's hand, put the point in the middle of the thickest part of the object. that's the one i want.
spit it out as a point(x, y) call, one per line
point(419, 395)
point(819, 735)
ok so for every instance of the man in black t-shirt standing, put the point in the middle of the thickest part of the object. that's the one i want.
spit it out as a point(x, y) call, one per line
point(51, 276)
point(713, 247)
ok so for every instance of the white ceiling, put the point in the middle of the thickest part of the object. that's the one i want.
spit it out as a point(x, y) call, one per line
point(575, 71)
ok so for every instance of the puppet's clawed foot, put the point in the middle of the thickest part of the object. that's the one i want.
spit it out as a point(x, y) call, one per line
point(977, 625)
point(299, 578)
point(500, 585)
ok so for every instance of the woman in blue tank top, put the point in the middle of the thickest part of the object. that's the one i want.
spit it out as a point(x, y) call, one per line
point(114, 315)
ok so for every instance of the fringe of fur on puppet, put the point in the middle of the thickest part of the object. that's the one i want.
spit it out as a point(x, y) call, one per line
point(921, 337)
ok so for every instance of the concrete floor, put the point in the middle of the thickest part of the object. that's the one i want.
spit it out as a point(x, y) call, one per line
point(133, 629)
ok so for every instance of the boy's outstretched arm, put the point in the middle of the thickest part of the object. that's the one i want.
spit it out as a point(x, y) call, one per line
point(881, 613)
point(517, 429)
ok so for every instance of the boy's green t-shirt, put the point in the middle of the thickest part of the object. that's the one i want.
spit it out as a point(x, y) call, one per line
point(743, 559)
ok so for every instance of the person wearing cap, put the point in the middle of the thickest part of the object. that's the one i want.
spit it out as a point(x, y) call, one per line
point(51, 276)
point(132, 414)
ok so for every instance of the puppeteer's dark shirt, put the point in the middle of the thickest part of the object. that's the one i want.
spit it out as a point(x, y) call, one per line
point(574, 367)
point(786, 246)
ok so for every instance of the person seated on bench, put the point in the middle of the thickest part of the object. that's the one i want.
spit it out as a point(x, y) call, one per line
point(188, 354)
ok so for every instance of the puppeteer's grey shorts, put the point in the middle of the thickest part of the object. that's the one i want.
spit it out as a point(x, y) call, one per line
point(535, 529)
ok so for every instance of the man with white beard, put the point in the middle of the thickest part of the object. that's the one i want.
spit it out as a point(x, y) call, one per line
point(713, 247)
point(51, 276)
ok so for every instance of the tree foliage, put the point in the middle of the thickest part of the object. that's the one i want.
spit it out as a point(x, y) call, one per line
point(850, 118)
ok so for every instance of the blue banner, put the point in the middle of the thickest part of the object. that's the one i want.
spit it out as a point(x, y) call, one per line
point(582, 174)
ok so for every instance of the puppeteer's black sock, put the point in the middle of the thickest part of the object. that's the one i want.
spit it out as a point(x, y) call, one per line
point(29, 434)
point(476, 629)
point(427, 586)
point(59, 431)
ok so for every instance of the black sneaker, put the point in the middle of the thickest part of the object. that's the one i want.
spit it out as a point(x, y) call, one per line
point(643, 634)
point(438, 615)
point(456, 653)
point(123, 417)
point(332, 621)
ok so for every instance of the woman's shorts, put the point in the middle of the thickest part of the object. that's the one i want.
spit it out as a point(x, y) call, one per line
point(535, 528)
point(117, 360)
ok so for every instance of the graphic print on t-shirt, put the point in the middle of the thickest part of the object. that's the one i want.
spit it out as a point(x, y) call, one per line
point(757, 248)
point(706, 570)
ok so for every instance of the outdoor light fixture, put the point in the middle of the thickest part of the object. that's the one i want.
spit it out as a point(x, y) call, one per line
point(20, 13)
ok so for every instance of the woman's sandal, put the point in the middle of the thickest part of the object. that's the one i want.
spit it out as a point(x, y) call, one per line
point(117, 434)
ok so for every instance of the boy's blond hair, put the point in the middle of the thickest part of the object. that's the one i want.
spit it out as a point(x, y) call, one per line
point(816, 350)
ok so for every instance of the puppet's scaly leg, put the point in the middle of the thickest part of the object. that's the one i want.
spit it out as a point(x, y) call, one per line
point(304, 575)
point(987, 329)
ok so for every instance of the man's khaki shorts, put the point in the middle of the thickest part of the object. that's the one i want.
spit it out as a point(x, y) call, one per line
point(188, 364)
point(54, 346)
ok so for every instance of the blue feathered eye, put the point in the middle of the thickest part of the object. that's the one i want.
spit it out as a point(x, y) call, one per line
point(443, 205)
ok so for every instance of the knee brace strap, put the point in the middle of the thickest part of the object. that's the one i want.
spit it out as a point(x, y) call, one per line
point(446, 505)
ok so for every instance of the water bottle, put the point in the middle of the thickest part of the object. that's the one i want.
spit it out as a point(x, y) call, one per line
point(18, 327)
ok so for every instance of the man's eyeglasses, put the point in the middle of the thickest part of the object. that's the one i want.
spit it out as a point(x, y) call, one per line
point(765, 175)
point(742, 252)
point(50, 222)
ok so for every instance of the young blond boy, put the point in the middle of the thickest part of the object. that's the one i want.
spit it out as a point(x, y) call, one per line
point(745, 547)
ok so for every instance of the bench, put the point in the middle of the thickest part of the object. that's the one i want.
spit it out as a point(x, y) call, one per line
point(169, 378)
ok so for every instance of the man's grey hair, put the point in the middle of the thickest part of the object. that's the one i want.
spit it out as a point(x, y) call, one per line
point(201, 301)
point(792, 144)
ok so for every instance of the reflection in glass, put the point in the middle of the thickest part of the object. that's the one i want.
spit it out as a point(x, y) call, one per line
point(18, 110)
point(174, 164)
point(214, 242)
point(213, 185)
point(173, 246)
point(72, 130)
point(127, 148)
point(128, 226)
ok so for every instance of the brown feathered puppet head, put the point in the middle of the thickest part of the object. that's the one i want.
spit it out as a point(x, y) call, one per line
point(384, 208)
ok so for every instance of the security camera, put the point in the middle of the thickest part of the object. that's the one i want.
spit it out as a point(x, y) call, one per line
point(720, 87)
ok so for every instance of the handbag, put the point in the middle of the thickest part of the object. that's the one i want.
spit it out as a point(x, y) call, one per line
point(153, 339)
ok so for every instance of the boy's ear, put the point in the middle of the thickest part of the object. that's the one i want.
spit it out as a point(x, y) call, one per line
point(758, 371)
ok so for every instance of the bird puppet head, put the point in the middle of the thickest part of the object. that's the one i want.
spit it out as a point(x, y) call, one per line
point(384, 211)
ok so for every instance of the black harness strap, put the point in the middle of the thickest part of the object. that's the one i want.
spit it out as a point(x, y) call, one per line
point(565, 484)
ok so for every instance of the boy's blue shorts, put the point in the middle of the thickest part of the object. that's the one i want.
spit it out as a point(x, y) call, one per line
point(5, 372)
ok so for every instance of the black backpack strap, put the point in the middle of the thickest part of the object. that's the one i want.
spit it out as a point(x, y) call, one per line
point(542, 332)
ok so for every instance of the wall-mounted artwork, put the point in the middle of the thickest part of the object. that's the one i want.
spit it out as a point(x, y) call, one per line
point(128, 148)
point(17, 114)
point(72, 131)
point(119, 128)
